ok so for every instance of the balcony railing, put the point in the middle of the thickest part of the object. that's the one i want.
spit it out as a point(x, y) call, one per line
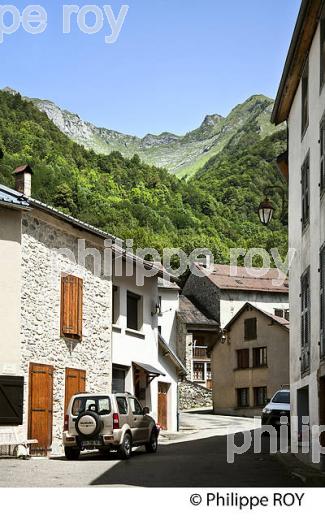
point(200, 352)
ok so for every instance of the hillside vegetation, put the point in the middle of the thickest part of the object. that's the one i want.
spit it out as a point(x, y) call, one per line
point(128, 198)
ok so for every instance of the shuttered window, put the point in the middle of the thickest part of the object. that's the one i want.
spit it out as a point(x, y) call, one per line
point(305, 100)
point(71, 306)
point(243, 358)
point(305, 321)
point(322, 155)
point(242, 397)
point(11, 400)
point(260, 396)
point(305, 192)
point(250, 329)
point(322, 50)
point(322, 301)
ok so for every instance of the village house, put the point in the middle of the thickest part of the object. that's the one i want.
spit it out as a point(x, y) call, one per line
point(301, 103)
point(138, 367)
point(220, 292)
point(250, 362)
point(214, 298)
point(196, 333)
point(56, 314)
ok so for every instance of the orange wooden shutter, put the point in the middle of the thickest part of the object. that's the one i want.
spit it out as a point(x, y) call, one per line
point(71, 306)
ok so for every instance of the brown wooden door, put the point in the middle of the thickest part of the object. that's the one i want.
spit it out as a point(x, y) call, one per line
point(162, 405)
point(75, 382)
point(40, 407)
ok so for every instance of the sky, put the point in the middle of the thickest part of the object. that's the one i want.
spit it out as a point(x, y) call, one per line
point(174, 61)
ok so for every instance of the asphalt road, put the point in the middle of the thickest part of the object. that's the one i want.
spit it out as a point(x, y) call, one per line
point(188, 462)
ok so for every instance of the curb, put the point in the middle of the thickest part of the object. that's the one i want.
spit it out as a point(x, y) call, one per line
point(309, 476)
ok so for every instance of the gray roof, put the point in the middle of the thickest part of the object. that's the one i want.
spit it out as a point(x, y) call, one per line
point(164, 283)
point(190, 314)
point(173, 356)
point(12, 198)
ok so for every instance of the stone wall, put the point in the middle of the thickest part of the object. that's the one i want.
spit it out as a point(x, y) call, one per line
point(184, 345)
point(203, 292)
point(42, 266)
point(192, 395)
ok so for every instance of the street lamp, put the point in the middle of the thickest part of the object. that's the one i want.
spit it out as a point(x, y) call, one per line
point(266, 208)
point(265, 211)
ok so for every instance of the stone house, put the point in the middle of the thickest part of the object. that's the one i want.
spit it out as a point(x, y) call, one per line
point(300, 102)
point(220, 292)
point(56, 314)
point(59, 314)
point(250, 362)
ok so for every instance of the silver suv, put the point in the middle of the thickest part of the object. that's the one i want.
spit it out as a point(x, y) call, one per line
point(107, 421)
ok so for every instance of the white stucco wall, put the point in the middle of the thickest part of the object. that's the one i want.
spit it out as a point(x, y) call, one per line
point(132, 346)
point(308, 244)
point(167, 318)
point(10, 288)
point(42, 266)
point(232, 302)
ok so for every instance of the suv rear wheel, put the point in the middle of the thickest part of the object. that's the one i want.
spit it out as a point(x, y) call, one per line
point(125, 450)
point(72, 453)
point(152, 445)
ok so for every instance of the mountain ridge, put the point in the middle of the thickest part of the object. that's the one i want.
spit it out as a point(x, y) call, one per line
point(182, 155)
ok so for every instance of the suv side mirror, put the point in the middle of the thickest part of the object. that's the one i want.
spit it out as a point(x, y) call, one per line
point(268, 401)
point(146, 410)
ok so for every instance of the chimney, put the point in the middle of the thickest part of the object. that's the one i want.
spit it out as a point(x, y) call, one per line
point(23, 177)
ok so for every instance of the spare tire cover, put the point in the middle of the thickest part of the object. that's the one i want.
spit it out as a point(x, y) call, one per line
point(88, 424)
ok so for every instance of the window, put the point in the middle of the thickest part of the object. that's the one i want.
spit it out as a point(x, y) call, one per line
point(118, 380)
point(133, 311)
point(322, 50)
point(209, 373)
point(116, 304)
point(11, 400)
point(322, 301)
point(135, 406)
point(282, 313)
point(282, 397)
point(198, 371)
point(243, 358)
point(260, 357)
point(305, 192)
point(122, 405)
point(304, 100)
point(250, 329)
point(305, 320)
point(322, 155)
point(100, 405)
point(242, 397)
point(71, 306)
point(260, 396)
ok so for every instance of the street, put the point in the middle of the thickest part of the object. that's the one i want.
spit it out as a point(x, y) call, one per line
point(194, 457)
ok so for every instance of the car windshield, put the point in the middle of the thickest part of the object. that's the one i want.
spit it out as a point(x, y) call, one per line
point(100, 405)
point(281, 397)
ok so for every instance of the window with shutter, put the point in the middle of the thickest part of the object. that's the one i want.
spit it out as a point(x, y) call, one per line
point(242, 397)
point(11, 400)
point(250, 329)
point(305, 321)
point(322, 301)
point(243, 358)
point(304, 100)
point(322, 155)
point(305, 192)
point(71, 306)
